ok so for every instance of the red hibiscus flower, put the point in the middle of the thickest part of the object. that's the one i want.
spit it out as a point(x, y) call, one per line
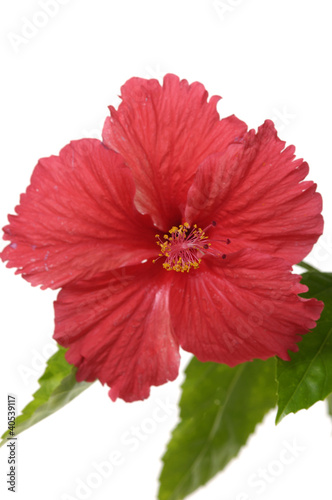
point(179, 229)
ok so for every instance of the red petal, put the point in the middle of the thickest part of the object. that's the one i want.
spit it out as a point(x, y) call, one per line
point(254, 192)
point(242, 308)
point(77, 218)
point(118, 329)
point(164, 133)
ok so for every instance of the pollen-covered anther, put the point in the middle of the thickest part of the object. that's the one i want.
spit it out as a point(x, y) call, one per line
point(184, 247)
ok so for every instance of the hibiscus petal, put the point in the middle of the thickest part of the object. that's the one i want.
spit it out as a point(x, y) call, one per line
point(164, 133)
point(118, 330)
point(254, 192)
point(241, 308)
point(77, 218)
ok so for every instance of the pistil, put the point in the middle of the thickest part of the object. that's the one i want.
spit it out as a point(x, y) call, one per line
point(185, 246)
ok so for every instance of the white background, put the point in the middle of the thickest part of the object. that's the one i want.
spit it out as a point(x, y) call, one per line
point(268, 59)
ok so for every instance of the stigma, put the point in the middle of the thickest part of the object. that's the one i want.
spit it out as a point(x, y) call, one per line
point(184, 247)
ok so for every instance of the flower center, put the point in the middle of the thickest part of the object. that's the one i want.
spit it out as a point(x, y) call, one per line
point(184, 247)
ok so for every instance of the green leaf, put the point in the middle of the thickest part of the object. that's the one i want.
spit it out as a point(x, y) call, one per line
point(307, 378)
point(307, 266)
point(329, 404)
point(58, 386)
point(220, 407)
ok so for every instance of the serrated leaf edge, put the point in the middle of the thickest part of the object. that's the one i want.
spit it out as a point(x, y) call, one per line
point(280, 416)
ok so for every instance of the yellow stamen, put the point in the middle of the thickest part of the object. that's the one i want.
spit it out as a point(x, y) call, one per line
point(182, 247)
